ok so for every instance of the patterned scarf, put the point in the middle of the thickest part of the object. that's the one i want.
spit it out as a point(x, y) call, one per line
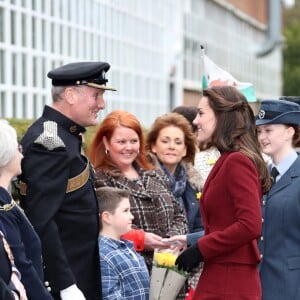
point(177, 182)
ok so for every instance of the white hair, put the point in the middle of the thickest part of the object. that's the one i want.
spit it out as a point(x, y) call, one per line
point(8, 143)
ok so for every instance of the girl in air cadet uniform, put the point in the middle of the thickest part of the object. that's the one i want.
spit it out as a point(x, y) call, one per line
point(278, 131)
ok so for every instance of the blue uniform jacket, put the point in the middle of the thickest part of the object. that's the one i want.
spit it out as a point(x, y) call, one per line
point(26, 248)
point(5, 271)
point(280, 241)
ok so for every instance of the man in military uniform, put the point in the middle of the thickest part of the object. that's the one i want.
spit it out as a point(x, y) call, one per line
point(56, 186)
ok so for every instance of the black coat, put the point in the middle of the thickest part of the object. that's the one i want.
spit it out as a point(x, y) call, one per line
point(5, 272)
point(26, 248)
point(67, 223)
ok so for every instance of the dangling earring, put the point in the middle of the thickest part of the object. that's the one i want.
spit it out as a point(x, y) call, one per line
point(138, 152)
point(106, 152)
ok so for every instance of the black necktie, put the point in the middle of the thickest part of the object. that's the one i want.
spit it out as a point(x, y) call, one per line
point(274, 174)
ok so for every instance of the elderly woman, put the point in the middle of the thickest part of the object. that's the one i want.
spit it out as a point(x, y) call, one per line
point(118, 154)
point(172, 142)
point(21, 237)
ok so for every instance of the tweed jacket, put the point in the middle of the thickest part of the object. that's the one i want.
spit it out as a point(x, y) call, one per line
point(280, 242)
point(153, 206)
point(194, 185)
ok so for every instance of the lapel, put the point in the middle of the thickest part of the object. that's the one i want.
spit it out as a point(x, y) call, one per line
point(215, 169)
point(287, 178)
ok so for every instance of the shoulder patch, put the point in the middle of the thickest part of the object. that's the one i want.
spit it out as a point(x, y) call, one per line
point(49, 137)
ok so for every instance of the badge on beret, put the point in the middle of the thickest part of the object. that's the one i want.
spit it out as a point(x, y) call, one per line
point(261, 114)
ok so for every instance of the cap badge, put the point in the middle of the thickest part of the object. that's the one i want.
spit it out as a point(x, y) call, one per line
point(73, 128)
point(261, 114)
point(103, 74)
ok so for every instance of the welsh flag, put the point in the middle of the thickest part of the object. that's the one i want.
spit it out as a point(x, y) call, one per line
point(213, 75)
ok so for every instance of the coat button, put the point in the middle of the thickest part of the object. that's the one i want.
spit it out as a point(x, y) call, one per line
point(46, 283)
point(262, 220)
point(49, 289)
point(261, 238)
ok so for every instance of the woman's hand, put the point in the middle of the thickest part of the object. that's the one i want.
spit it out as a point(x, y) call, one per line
point(154, 241)
point(177, 242)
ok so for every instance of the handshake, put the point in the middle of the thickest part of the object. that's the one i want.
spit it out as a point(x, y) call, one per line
point(189, 258)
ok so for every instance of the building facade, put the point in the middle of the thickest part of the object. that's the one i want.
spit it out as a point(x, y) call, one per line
point(153, 47)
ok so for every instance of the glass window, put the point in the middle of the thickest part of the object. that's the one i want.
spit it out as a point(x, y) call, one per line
point(2, 80)
point(2, 103)
point(35, 103)
point(24, 69)
point(12, 26)
point(23, 35)
point(1, 24)
point(34, 72)
point(14, 69)
point(24, 106)
point(14, 104)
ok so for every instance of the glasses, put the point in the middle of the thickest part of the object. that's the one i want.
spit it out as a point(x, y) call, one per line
point(20, 149)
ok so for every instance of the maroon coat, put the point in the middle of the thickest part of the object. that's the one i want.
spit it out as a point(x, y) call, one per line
point(230, 208)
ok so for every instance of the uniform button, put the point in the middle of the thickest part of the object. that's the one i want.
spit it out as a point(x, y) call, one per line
point(261, 256)
point(261, 238)
point(49, 289)
point(264, 202)
point(46, 283)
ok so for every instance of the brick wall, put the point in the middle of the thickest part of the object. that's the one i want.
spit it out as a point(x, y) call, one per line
point(254, 8)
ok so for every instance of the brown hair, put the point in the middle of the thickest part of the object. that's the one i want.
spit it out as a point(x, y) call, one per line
point(176, 120)
point(235, 128)
point(189, 112)
point(115, 119)
point(296, 136)
point(109, 199)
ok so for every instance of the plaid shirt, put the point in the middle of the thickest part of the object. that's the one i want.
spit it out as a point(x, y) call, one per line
point(124, 273)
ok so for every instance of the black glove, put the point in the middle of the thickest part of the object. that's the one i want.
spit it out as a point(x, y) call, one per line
point(189, 259)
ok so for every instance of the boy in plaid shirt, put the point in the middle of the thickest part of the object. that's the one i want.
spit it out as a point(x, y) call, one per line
point(124, 272)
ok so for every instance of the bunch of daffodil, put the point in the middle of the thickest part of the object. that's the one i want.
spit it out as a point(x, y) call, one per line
point(166, 279)
point(162, 259)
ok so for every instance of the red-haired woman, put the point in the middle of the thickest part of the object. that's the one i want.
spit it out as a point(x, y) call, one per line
point(119, 157)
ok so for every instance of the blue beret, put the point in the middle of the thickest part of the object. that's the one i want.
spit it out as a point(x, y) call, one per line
point(81, 73)
point(278, 112)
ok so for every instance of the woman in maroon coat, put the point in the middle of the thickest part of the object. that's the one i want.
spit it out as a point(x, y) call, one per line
point(230, 202)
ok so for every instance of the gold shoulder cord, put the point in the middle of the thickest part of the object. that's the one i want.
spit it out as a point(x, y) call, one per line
point(7, 248)
point(9, 206)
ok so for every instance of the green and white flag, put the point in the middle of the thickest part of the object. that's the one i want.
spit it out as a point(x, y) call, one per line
point(213, 75)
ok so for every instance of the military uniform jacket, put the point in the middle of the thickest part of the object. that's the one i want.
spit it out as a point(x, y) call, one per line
point(67, 223)
point(280, 243)
point(25, 246)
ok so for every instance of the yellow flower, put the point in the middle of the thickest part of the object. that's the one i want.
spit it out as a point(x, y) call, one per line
point(211, 161)
point(165, 259)
point(198, 195)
